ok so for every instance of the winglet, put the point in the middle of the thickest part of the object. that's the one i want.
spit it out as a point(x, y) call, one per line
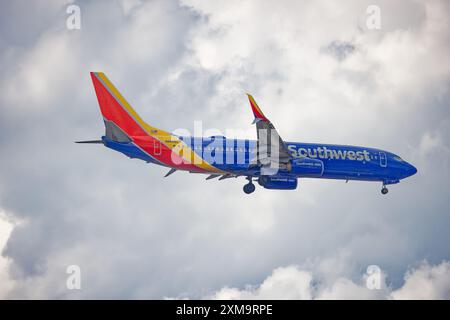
point(256, 110)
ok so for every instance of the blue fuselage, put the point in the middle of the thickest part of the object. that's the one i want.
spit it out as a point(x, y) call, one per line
point(335, 161)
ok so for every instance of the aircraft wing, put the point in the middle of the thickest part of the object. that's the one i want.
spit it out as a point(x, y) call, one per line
point(272, 153)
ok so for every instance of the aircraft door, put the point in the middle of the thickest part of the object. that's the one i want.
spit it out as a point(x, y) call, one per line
point(383, 160)
point(157, 147)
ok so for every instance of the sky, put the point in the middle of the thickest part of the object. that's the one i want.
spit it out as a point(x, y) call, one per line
point(317, 70)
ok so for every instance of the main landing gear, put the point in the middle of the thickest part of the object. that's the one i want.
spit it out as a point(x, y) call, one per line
point(249, 187)
point(384, 190)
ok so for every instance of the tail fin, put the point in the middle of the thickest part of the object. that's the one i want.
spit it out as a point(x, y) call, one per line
point(120, 118)
point(123, 124)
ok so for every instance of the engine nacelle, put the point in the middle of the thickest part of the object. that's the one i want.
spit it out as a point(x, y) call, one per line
point(278, 182)
point(307, 167)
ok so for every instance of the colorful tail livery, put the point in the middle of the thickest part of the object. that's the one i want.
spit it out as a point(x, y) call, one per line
point(269, 160)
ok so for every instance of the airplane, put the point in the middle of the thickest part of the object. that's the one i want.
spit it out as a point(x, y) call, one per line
point(270, 161)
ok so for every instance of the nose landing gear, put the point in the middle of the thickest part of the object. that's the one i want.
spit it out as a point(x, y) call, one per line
point(384, 183)
point(249, 187)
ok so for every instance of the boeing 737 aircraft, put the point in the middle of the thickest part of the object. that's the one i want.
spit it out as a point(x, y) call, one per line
point(271, 161)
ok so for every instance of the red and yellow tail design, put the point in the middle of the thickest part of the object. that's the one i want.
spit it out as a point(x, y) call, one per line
point(256, 110)
point(171, 150)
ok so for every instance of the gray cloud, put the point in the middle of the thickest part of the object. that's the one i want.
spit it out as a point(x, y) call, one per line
point(339, 49)
point(137, 235)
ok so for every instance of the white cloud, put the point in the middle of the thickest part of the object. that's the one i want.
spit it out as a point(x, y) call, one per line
point(426, 282)
point(346, 289)
point(283, 283)
point(293, 282)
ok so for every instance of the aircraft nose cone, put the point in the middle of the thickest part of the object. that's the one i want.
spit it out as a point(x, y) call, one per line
point(410, 170)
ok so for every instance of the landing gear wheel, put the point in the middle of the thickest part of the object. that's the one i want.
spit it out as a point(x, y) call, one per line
point(384, 190)
point(249, 188)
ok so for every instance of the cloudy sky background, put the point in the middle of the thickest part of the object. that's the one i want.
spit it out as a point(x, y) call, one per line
point(317, 72)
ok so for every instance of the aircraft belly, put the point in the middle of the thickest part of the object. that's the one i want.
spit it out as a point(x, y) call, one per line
point(350, 170)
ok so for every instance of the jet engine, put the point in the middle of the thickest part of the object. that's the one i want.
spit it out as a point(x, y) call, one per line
point(307, 167)
point(278, 182)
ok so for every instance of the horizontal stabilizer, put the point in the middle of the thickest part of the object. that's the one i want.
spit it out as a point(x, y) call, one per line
point(212, 176)
point(91, 141)
point(170, 172)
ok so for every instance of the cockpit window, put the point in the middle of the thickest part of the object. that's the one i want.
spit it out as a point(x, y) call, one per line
point(398, 158)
